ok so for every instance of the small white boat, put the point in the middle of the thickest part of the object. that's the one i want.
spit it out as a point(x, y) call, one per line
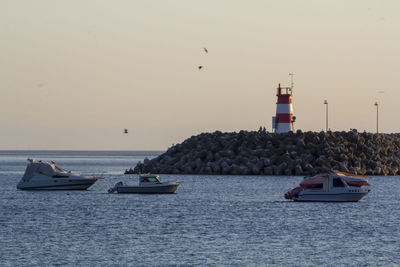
point(48, 176)
point(331, 186)
point(148, 184)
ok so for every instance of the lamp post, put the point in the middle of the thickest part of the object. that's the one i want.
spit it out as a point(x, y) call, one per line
point(377, 118)
point(326, 103)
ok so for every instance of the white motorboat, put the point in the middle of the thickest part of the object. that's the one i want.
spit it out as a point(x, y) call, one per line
point(48, 176)
point(330, 186)
point(148, 184)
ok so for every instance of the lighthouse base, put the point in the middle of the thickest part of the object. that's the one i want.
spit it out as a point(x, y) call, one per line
point(283, 128)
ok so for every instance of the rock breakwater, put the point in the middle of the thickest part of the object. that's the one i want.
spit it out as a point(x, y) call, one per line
point(263, 153)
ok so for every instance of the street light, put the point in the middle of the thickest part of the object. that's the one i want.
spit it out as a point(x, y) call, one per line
point(326, 103)
point(377, 118)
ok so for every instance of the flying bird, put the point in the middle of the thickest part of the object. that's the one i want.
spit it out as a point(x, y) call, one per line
point(200, 67)
point(205, 50)
point(125, 131)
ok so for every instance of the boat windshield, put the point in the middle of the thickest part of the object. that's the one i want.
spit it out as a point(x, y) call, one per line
point(59, 169)
point(153, 179)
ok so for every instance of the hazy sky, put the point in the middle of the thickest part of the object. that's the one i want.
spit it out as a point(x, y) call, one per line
point(74, 74)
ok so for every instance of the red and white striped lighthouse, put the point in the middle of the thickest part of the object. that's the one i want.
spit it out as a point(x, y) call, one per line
point(284, 119)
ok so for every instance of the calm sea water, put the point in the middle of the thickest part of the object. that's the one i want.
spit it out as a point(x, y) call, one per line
point(211, 220)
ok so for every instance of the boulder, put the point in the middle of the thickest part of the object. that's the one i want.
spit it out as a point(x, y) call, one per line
point(288, 172)
point(343, 168)
point(268, 171)
point(377, 170)
point(298, 170)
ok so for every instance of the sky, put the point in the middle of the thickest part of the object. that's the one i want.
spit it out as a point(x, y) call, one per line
point(74, 74)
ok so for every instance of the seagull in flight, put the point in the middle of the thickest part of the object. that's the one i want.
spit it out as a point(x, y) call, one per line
point(205, 50)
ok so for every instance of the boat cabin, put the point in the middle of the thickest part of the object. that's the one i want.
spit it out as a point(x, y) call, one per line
point(154, 179)
point(331, 181)
point(44, 168)
point(328, 183)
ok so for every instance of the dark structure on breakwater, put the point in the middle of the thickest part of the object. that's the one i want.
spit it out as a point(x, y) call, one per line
point(263, 153)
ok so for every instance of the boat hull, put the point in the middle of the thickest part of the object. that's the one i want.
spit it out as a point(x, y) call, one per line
point(57, 185)
point(161, 189)
point(330, 197)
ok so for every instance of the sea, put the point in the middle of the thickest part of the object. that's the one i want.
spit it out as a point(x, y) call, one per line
point(211, 220)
